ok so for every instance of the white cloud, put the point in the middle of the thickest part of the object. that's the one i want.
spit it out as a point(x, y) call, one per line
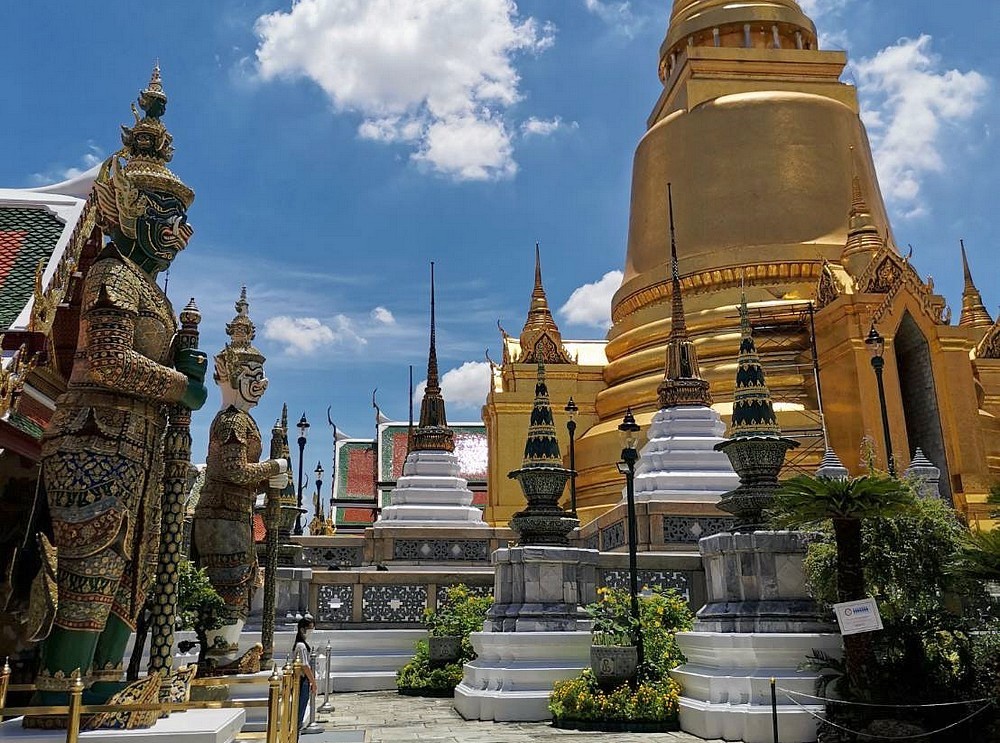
point(909, 99)
point(464, 387)
point(383, 316)
point(818, 8)
point(435, 74)
point(306, 335)
point(93, 157)
point(617, 14)
point(544, 127)
point(590, 304)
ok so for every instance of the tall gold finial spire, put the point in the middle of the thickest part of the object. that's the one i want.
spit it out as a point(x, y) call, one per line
point(432, 432)
point(541, 341)
point(974, 312)
point(682, 383)
point(863, 238)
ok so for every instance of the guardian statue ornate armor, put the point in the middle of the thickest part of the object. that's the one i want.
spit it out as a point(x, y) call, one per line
point(222, 536)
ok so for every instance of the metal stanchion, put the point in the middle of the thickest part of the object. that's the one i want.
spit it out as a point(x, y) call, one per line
point(774, 708)
point(327, 707)
point(75, 701)
point(291, 716)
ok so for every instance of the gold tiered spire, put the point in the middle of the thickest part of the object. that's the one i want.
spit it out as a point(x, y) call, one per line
point(682, 383)
point(432, 432)
point(753, 410)
point(863, 238)
point(541, 341)
point(974, 312)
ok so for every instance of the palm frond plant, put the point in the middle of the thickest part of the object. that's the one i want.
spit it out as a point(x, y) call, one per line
point(809, 501)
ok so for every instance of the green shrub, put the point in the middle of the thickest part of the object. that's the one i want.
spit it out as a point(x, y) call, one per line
point(460, 614)
point(582, 700)
point(418, 674)
point(662, 614)
point(655, 696)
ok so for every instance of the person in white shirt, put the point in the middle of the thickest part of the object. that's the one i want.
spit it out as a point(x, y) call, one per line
point(300, 652)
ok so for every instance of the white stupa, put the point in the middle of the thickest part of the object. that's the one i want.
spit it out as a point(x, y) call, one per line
point(430, 493)
point(679, 464)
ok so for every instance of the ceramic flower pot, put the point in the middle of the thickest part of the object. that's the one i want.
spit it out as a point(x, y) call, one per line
point(613, 664)
point(444, 650)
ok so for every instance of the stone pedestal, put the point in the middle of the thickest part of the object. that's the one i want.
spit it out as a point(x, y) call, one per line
point(431, 493)
point(542, 589)
point(514, 672)
point(758, 623)
point(539, 636)
point(679, 464)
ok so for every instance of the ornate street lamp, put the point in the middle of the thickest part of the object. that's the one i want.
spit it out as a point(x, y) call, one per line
point(571, 410)
point(876, 347)
point(303, 427)
point(629, 431)
point(319, 490)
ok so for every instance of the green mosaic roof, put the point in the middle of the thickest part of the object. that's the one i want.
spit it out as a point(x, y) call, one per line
point(27, 236)
point(25, 424)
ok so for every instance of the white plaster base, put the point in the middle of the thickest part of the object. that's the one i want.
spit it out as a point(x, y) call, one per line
point(513, 675)
point(431, 493)
point(679, 463)
point(726, 684)
point(193, 726)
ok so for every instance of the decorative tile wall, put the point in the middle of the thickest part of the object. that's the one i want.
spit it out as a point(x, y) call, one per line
point(613, 536)
point(329, 557)
point(649, 578)
point(466, 550)
point(393, 603)
point(335, 603)
point(689, 529)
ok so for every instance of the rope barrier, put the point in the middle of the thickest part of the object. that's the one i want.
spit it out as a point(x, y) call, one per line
point(918, 736)
point(884, 706)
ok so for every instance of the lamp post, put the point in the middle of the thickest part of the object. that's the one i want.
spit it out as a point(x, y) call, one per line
point(303, 427)
point(629, 431)
point(571, 410)
point(319, 490)
point(876, 346)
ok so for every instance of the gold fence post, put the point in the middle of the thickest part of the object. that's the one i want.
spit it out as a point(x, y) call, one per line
point(286, 699)
point(75, 700)
point(296, 693)
point(273, 705)
point(4, 682)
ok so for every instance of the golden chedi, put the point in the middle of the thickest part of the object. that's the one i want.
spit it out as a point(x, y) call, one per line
point(775, 190)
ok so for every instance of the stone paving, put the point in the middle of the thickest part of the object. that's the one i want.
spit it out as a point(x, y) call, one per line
point(387, 717)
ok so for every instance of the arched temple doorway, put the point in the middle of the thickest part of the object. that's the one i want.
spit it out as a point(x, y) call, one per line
point(920, 403)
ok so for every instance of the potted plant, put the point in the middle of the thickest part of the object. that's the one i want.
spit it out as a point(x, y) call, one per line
point(436, 667)
point(614, 657)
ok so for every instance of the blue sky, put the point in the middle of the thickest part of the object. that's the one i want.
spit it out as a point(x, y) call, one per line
point(337, 147)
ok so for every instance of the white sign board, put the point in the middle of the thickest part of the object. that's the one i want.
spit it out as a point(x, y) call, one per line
point(855, 617)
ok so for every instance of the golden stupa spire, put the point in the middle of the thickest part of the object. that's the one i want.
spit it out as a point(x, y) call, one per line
point(682, 383)
point(541, 341)
point(863, 238)
point(974, 312)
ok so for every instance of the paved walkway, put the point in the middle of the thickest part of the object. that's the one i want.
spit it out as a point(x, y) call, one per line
point(390, 718)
